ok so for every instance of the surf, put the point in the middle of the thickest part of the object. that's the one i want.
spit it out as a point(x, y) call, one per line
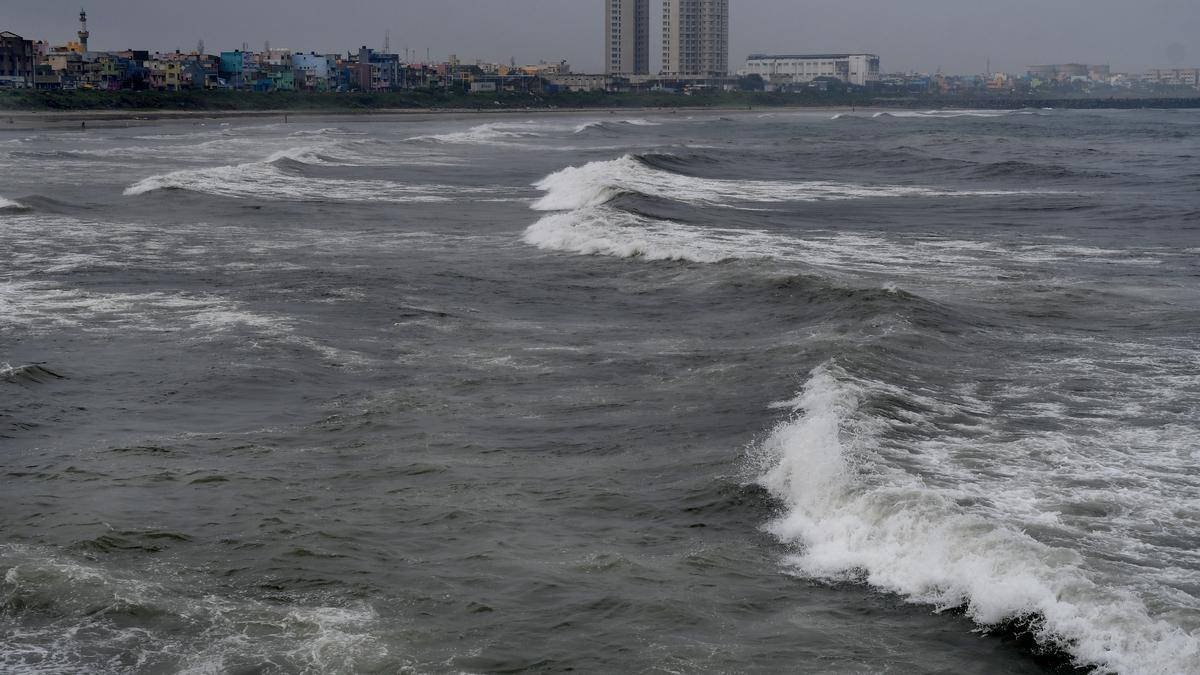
point(287, 175)
point(851, 516)
point(600, 182)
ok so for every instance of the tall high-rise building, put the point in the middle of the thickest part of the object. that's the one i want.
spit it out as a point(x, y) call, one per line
point(696, 38)
point(627, 37)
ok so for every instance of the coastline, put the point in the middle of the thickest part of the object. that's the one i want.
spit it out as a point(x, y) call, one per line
point(40, 109)
point(27, 119)
point(34, 119)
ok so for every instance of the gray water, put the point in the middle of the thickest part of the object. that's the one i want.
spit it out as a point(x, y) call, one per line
point(670, 393)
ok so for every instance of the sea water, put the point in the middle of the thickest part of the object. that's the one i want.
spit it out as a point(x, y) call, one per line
point(769, 391)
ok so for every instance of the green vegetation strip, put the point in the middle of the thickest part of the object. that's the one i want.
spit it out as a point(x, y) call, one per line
point(225, 100)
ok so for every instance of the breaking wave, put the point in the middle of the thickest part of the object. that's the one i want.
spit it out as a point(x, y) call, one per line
point(10, 205)
point(601, 230)
point(597, 183)
point(613, 127)
point(32, 373)
point(935, 114)
point(954, 114)
point(281, 176)
point(586, 218)
point(328, 131)
point(494, 133)
point(853, 515)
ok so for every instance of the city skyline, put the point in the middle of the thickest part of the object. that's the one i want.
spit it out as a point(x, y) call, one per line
point(923, 35)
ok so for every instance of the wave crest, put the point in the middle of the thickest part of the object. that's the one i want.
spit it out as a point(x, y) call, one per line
point(10, 205)
point(613, 127)
point(852, 517)
point(281, 176)
point(597, 183)
point(605, 231)
point(494, 133)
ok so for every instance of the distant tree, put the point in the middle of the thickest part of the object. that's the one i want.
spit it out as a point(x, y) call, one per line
point(752, 82)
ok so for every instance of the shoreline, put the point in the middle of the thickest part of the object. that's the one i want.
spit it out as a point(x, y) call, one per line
point(26, 119)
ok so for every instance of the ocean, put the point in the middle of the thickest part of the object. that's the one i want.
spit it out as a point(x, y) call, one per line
point(697, 392)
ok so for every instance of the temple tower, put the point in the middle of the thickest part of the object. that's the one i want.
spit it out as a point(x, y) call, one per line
point(83, 31)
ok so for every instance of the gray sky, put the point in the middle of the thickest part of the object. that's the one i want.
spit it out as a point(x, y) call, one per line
point(958, 35)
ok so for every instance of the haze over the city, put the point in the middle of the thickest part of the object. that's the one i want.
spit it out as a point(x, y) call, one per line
point(956, 35)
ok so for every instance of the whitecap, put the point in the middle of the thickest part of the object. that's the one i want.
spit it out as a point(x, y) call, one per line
point(599, 182)
point(854, 515)
point(495, 133)
point(267, 180)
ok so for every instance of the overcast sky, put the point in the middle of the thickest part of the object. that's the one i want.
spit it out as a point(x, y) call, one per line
point(958, 35)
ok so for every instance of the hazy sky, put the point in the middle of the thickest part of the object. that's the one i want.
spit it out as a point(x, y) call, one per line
point(958, 35)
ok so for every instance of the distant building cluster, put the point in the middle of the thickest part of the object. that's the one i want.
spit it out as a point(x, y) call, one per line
point(1091, 78)
point(36, 64)
point(695, 56)
point(1069, 71)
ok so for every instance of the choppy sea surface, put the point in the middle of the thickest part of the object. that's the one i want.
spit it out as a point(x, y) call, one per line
point(915, 392)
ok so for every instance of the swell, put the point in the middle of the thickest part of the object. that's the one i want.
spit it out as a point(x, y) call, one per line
point(10, 206)
point(1019, 169)
point(33, 373)
point(792, 297)
point(851, 515)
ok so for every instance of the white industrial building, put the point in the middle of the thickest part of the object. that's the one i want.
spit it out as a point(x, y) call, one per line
point(800, 68)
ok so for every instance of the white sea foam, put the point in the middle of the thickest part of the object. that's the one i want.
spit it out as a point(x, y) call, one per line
point(852, 511)
point(604, 231)
point(951, 114)
point(267, 180)
point(327, 131)
point(600, 124)
point(494, 133)
point(598, 182)
point(10, 204)
point(89, 600)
